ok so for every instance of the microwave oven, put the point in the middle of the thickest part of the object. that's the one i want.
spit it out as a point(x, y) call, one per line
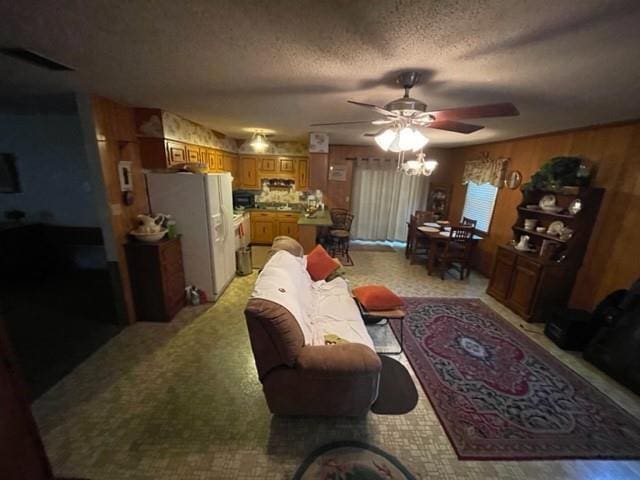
point(243, 199)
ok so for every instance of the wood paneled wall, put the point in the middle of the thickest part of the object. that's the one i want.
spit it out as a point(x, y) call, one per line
point(338, 193)
point(116, 138)
point(613, 257)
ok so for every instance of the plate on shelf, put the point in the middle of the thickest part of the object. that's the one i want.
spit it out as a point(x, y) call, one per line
point(555, 228)
point(547, 201)
point(432, 225)
point(532, 206)
point(552, 209)
point(575, 206)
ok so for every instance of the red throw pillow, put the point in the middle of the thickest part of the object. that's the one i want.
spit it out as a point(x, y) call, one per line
point(320, 264)
point(377, 297)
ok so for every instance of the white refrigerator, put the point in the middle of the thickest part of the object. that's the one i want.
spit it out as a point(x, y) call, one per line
point(202, 206)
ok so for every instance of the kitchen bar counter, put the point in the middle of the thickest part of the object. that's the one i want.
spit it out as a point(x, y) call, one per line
point(319, 219)
point(308, 228)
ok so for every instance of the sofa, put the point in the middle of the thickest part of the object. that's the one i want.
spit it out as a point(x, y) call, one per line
point(311, 348)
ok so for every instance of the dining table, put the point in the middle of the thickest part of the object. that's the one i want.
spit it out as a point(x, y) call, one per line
point(439, 235)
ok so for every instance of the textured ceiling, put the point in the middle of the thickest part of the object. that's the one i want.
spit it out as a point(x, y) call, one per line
point(282, 65)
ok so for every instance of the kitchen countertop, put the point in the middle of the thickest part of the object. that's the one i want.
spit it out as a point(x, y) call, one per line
point(319, 219)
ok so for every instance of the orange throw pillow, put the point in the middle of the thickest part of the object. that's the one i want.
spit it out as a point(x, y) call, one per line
point(377, 297)
point(320, 264)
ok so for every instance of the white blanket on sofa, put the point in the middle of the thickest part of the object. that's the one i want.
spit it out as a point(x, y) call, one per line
point(320, 308)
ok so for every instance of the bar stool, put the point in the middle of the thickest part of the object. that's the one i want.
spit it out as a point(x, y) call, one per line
point(340, 235)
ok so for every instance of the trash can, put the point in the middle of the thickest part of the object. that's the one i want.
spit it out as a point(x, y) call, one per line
point(243, 261)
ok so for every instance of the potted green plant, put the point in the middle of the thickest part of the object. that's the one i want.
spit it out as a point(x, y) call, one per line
point(559, 173)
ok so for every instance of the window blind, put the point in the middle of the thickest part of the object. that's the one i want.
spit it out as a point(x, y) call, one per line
point(479, 203)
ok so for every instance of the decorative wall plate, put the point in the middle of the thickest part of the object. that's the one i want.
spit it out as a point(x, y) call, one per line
point(575, 206)
point(513, 179)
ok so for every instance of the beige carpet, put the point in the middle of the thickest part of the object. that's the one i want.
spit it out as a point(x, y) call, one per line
point(182, 400)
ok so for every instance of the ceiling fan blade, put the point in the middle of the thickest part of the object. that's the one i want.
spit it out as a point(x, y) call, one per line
point(374, 134)
point(452, 126)
point(341, 123)
point(382, 121)
point(478, 111)
point(376, 108)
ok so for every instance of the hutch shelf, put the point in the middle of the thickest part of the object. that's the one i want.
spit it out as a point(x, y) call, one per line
point(531, 283)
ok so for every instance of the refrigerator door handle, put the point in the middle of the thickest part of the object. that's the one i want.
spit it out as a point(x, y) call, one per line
point(222, 217)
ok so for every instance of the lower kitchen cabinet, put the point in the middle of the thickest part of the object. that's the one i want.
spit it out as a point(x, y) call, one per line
point(265, 226)
point(157, 279)
point(288, 224)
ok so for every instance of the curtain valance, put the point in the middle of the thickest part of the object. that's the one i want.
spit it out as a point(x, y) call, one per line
point(485, 170)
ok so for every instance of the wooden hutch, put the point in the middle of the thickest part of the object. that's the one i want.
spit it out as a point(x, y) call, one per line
point(530, 283)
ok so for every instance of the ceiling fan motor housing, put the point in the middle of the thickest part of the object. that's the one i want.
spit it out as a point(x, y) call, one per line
point(406, 106)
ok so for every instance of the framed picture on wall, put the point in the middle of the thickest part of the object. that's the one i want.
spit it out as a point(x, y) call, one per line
point(8, 174)
point(439, 200)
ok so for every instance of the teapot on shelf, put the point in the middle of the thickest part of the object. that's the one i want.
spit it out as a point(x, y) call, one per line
point(523, 244)
point(150, 224)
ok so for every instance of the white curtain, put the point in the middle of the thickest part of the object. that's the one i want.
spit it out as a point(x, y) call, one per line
point(383, 200)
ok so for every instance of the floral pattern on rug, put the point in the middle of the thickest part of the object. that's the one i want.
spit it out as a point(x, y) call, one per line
point(351, 460)
point(499, 395)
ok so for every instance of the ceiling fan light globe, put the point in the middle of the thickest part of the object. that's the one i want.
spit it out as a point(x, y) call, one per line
point(406, 139)
point(429, 166)
point(419, 141)
point(395, 144)
point(385, 139)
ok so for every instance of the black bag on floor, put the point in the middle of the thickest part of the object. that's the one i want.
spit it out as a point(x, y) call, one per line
point(616, 347)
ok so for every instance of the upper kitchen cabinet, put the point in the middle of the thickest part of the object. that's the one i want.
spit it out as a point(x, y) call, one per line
point(167, 140)
point(286, 165)
point(219, 164)
point(249, 172)
point(318, 171)
point(176, 153)
point(303, 175)
point(193, 154)
point(268, 165)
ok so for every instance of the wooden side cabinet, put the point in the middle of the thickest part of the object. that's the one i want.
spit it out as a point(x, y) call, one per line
point(157, 279)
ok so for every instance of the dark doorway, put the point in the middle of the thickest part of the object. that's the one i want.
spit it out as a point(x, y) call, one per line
point(56, 298)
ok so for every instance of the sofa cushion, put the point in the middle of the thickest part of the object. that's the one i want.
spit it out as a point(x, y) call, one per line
point(377, 297)
point(320, 264)
point(287, 244)
point(285, 281)
point(336, 313)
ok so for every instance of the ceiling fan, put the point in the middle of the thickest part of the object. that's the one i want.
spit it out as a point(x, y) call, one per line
point(405, 118)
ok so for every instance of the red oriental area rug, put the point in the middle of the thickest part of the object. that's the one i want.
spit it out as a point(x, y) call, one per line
point(500, 396)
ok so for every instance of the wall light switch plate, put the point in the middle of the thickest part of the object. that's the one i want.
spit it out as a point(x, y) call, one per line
point(116, 209)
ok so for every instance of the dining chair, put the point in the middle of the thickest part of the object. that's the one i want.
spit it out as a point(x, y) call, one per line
point(424, 216)
point(456, 251)
point(417, 244)
point(468, 222)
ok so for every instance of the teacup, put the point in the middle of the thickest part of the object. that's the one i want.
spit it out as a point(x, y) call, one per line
point(530, 223)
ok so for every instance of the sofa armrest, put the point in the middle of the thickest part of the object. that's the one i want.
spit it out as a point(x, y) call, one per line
point(346, 359)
